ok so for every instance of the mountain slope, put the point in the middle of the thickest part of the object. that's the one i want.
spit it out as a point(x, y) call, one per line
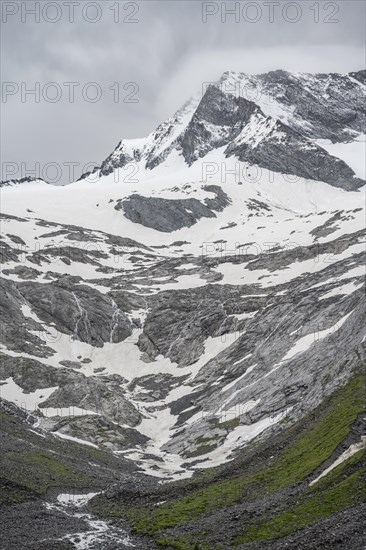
point(192, 302)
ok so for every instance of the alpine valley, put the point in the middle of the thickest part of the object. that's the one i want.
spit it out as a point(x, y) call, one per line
point(183, 331)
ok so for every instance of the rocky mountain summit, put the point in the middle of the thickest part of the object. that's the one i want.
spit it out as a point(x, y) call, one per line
point(183, 335)
point(271, 120)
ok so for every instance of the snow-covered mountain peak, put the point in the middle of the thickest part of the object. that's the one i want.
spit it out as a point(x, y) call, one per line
point(154, 148)
point(28, 181)
point(263, 120)
point(323, 105)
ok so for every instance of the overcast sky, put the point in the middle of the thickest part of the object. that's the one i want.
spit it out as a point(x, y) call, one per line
point(156, 55)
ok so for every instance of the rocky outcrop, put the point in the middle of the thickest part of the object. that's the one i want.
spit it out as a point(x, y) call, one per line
point(328, 105)
point(179, 322)
point(163, 214)
point(101, 431)
point(169, 215)
point(19, 332)
point(286, 151)
point(79, 311)
point(73, 389)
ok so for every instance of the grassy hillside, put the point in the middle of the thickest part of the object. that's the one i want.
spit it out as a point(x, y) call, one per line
point(184, 523)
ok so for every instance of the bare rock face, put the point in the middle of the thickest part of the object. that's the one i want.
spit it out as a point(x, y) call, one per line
point(73, 389)
point(168, 215)
point(163, 214)
point(92, 394)
point(287, 152)
point(100, 431)
point(19, 333)
point(119, 158)
point(179, 322)
point(252, 367)
point(221, 119)
point(331, 104)
point(82, 312)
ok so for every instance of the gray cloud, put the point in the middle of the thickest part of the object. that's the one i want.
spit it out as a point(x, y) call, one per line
point(168, 54)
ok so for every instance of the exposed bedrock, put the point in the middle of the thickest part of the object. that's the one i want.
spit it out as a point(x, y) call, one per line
point(168, 215)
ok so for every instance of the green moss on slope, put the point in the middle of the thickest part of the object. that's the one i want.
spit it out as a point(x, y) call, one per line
point(38, 471)
point(310, 448)
point(44, 463)
point(318, 503)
